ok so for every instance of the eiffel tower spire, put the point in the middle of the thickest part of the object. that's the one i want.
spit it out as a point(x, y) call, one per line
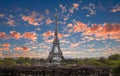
point(56, 27)
point(55, 56)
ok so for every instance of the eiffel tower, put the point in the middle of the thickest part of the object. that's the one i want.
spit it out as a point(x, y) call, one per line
point(55, 55)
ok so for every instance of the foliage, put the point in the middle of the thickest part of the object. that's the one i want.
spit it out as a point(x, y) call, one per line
point(111, 61)
point(116, 69)
point(114, 57)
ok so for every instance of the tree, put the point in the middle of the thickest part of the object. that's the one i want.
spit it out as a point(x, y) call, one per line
point(9, 61)
point(114, 57)
point(102, 60)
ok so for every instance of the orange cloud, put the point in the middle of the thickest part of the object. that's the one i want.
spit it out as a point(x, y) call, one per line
point(79, 27)
point(4, 49)
point(1, 54)
point(31, 19)
point(60, 35)
point(75, 6)
point(5, 45)
point(3, 35)
point(48, 21)
point(30, 35)
point(24, 48)
point(48, 34)
point(15, 35)
point(69, 25)
point(105, 31)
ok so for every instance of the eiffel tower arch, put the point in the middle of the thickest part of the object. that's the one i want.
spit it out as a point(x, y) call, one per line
point(55, 55)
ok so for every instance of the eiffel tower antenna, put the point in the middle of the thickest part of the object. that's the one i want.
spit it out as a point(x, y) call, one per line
point(56, 26)
point(55, 56)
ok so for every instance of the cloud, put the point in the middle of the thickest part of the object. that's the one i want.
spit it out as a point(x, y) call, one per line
point(5, 45)
point(4, 49)
point(111, 31)
point(91, 9)
point(48, 21)
point(75, 6)
point(1, 15)
point(116, 9)
point(49, 40)
point(15, 35)
point(23, 48)
point(79, 27)
point(3, 35)
point(10, 22)
point(48, 34)
point(30, 35)
point(38, 29)
point(69, 25)
point(63, 8)
point(47, 12)
point(74, 44)
point(31, 19)
point(1, 55)
point(111, 51)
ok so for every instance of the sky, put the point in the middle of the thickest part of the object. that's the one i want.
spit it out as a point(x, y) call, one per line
point(87, 28)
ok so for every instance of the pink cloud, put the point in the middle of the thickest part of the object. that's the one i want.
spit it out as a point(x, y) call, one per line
point(75, 6)
point(31, 19)
point(48, 21)
point(49, 41)
point(105, 31)
point(15, 35)
point(4, 49)
point(79, 27)
point(48, 34)
point(1, 15)
point(74, 44)
point(60, 35)
point(24, 48)
point(69, 25)
point(3, 35)
point(1, 55)
point(5, 45)
point(30, 35)
point(111, 51)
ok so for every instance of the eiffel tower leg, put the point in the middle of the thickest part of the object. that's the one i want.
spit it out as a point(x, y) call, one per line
point(61, 55)
point(49, 59)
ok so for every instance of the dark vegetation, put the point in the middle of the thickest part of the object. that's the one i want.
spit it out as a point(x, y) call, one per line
point(112, 61)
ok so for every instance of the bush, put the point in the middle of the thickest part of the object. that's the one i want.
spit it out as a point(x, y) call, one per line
point(116, 69)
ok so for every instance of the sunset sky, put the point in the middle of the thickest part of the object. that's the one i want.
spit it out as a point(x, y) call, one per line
point(87, 28)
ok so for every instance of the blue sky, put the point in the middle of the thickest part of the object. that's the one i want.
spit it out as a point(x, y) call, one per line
point(86, 28)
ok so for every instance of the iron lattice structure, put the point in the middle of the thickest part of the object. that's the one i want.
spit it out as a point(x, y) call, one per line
point(55, 55)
